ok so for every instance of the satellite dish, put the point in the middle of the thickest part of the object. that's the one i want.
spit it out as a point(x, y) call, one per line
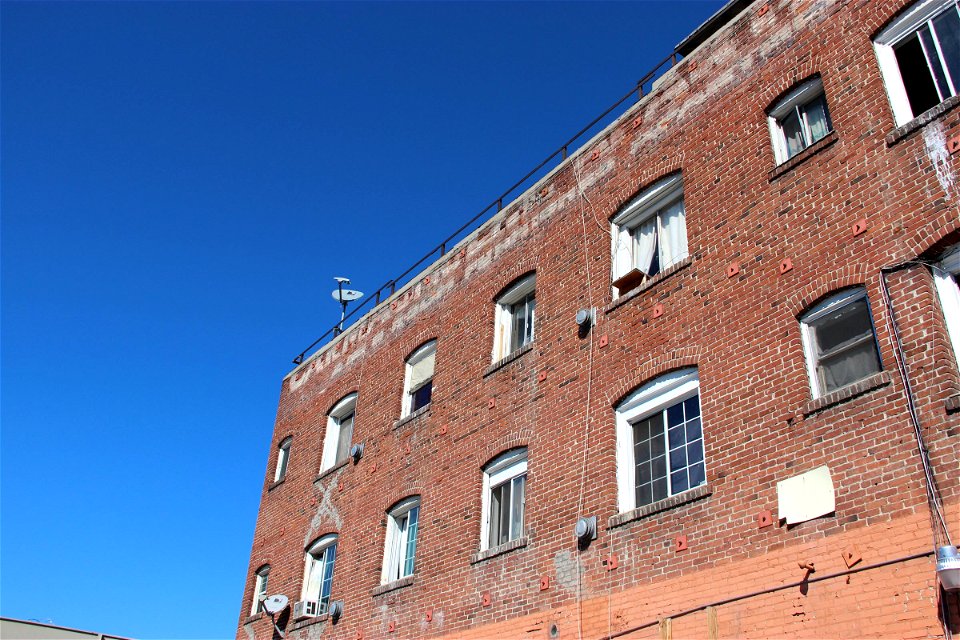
point(275, 604)
point(346, 295)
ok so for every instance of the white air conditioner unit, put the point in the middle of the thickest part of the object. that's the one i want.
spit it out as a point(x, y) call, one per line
point(306, 609)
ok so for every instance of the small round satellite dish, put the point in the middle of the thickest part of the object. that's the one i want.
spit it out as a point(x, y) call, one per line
point(346, 295)
point(275, 604)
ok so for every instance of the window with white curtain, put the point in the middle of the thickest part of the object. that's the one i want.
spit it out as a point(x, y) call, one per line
point(504, 498)
point(418, 378)
point(660, 440)
point(946, 275)
point(318, 573)
point(839, 341)
point(514, 321)
point(401, 543)
point(339, 435)
point(919, 56)
point(649, 234)
point(800, 119)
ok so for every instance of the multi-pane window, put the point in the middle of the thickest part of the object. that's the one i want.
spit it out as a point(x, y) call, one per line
point(799, 119)
point(919, 55)
point(946, 274)
point(260, 589)
point(418, 378)
point(339, 435)
point(504, 494)
point(515, 311)
point(649, 234)
point(401, 545)
point(660, 440)
point(839, 341)
point(318, 574)
point(283, 459)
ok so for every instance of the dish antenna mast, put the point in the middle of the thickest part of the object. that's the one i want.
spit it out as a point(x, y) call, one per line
point(344, 296)
point(274, 605)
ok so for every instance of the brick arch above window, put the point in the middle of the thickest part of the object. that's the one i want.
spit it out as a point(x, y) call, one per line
point(662, 364)
point(509, 279)
point(851, 275)
point(505, 443)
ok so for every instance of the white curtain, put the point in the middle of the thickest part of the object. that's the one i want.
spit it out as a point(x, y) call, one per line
point(422, 370)
point(316, 575)
point(646, 244)
point(673, 242)
point(622, 251)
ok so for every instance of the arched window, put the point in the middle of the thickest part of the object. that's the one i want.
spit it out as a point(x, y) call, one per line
point(401, 543)
point(283, 459)
point(418, 378)
point(515, 317)
point(339, 436)
point(259, 589)
point(504, 498)
point(318, 574)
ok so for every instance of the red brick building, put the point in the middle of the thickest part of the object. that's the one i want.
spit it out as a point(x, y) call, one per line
point(760, 411)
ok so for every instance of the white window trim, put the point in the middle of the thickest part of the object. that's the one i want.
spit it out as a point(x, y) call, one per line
point(503, 318)
point(259, 582)
point(949, 294)
point(801, 95)
point(283, 459)
point(425, 351)
point(664, 391)
point(343, 408)
point(822, 309)
point(394, 552)
point(504, 468)
point(883, 45)
point(310, 558)
point(646, 205)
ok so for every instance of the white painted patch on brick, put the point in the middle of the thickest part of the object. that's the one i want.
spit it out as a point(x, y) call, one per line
point(935, 141)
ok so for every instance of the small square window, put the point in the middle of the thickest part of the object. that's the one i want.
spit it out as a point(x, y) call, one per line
point(339, 435)
point(839, 340)
point(418, 378)
point(649, 234)
point(283, 459)
point(260, 589)
point(318, 573)
point(401, 544)
point(799, 120)
point(504, 497)
point(515, 312)
point(660, 440)
point(919, 56)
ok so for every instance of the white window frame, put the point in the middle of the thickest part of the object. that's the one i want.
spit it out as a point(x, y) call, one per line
point(904, 26)
point(318, 556)
point(944, 276)
point(521, 292)
point(259, 588)
point(824, 308)
point(399, 552)
point(424, 355)
point(650, 203)
point(796, 102)
point(283, 459)
point(503, 469)
point(346, 407)
point(657, 395)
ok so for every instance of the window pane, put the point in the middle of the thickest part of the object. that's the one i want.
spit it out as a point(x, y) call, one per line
point(676, 436)
point(330, 556)
point(506, 491)
point(659, 468)
point(849, 366)
point(917, 80)
point(947, 28)
point(695, 452)
point(792, 133)
point(660, 489)
point(345, 437)
point(692, 407)
point(697, 475)
point(678, 481)
point(933, 62)
point(496, 496)
point(675, 415)
point(645, 249)
point(818, 119)
point(518, 331)
point(413, 518)
point(516, 508)
point(842, 326)
point(421, 397)
point(693, 429)
point(678, 458)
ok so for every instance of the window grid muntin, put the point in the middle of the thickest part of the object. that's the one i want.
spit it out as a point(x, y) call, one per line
point(677, 433)
point(402, 532)
point(321, 558)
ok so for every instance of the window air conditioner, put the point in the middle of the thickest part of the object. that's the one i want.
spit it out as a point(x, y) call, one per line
point(306, 609)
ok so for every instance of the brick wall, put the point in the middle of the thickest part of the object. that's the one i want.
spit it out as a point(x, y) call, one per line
point(707, 120)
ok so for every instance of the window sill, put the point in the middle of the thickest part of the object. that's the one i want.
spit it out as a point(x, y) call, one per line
point(253, 618)
point(276, 483)
point(922, 120)
point(331, 470)
point(952, 404)
point(803, 156)
point(422, 411)
point(502, 362)
point(405, 581)
point(492, 552)
point(303, 623)
point(649, 284)
point(846, 393)
point(697, 493)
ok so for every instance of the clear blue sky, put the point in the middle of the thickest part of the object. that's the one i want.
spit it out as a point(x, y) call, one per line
point(180, 183)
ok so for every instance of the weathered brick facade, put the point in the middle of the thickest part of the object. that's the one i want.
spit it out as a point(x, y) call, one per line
point(707, 119)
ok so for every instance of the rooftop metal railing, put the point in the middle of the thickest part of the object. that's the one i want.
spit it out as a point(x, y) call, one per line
point(388, 289)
